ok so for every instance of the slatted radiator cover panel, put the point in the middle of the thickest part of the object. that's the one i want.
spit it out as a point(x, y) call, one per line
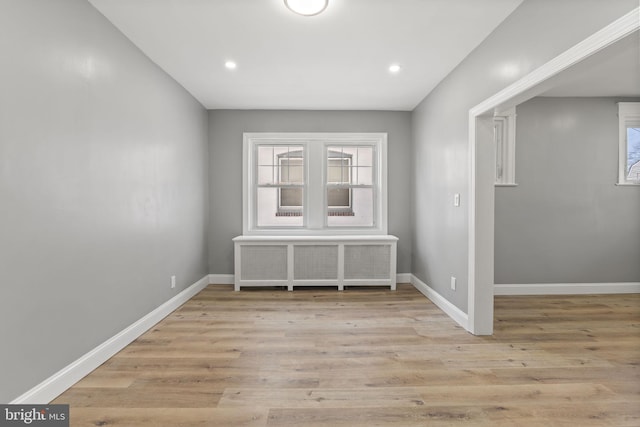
point(315, 262)
point(366, 261)
point(264, 262)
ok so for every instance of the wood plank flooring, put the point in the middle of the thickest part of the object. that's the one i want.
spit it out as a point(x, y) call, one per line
point(371, 357)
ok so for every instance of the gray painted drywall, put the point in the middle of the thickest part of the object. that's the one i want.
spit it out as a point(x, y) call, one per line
point(103, 187)
point(567, 221)
point(225, 153)
point(537, 31)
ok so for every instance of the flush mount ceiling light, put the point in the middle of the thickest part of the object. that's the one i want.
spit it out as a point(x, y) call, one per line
point(231, 65)
point(307, 7)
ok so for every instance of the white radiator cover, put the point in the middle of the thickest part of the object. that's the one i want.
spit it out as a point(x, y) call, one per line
point(315, 261)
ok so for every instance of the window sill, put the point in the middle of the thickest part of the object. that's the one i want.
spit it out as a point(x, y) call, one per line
point(317, 238)
point(628, 184)
point(338, 213)
point(506, 185)
point(279, 233)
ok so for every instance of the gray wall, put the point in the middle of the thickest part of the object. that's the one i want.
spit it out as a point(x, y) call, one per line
point(103, 186)
point(225, 139)
point(533, 34)
point(567, 221)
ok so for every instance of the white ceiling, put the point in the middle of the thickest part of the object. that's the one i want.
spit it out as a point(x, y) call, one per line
point(337, 60)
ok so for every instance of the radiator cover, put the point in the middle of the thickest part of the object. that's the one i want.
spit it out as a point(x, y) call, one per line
point(315, 261)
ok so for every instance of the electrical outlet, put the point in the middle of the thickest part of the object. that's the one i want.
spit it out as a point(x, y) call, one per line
point(173, 282)
point(453, 283)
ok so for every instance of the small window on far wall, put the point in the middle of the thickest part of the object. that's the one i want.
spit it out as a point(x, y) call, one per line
point(629, 143)
point(504, 135)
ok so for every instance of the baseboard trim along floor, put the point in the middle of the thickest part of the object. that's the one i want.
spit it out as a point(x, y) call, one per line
point(59, 382)
point(450, 310)
point(567, 288)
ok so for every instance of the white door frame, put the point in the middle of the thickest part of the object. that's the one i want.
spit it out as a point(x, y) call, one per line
point(482, 163)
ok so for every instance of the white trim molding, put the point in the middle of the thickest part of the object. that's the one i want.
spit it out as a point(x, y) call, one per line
point(59, 382)
point(567, 288)
point(459, 316)
point(481, 163)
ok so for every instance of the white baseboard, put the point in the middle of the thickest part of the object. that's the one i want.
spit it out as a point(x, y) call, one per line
point(59, 382)
point(221, 279)
point(567, 288)
point(449, 309)
point(228, 279)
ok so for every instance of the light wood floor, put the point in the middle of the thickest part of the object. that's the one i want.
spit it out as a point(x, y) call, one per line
point(371, 357)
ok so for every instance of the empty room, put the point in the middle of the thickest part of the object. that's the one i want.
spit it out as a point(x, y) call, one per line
point(320, 212)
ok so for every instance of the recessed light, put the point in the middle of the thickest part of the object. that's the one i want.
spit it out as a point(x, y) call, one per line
point(394, 68)
point(230, 65)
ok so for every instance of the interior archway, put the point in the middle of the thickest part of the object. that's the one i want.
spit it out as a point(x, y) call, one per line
point(482, 156)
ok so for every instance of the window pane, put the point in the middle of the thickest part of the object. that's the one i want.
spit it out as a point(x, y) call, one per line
point(292, 170)
point(633, 154)
point(265, 155)
point(364, 156)
point(280, 164)
point(359, 212)
point(364, 175)
point(350, 165)
point(266, 175)
point(339, 197)
point(290, 198)
point(270, 212)
point(338, 171)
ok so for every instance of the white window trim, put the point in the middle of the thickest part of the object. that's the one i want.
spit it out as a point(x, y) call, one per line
point(628, 114)
point(315, 145)
point(504, 126)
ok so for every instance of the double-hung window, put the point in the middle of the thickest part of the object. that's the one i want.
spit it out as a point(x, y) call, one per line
point(279, 184)
point(315, 183)
point(629, 143)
